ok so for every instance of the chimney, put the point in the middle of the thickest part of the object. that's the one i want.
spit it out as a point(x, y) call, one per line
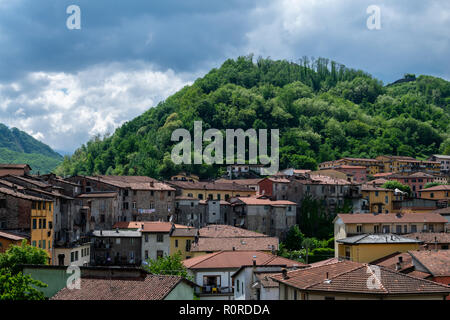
point(284, 273)
point(117, 230)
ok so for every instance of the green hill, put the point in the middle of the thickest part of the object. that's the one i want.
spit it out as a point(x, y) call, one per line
point(324, 111)
point(18, 147)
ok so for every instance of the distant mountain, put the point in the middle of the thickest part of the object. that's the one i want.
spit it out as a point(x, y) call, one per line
point(19, 147)
point(323, 109)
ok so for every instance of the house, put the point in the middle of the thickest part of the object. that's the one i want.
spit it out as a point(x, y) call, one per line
point(238, 170)
point(254, 282)
point(408, 165)
point(434, 262)
point(211, 190)
point(103, 209)
point(181, 241)
point(348, 280)
point(274, 187)
point(289, 172)
point(214, 211)
point(15, 169)
point(373, 166)
point(444, 161)
point(432, 240)
point(117, 247)
point(415, 181)
point(248, 183)
point(369, 247)
point(213, 272)
point(140, 198)
point(156, 239)
point(8, 239)
point(401, 262)
point(357, 173)
point(110, 283)
point(183, 176)
point(441, 192)
point(333, 173)
point(347, 225)
point(214, 238)
point(380, 199)
point(271, 217)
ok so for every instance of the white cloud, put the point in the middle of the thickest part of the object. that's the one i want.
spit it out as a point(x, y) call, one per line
point(70, 108)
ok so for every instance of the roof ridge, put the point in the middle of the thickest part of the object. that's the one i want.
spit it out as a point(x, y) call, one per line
point(207, 258)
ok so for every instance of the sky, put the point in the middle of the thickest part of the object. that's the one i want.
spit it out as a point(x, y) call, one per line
point(63, 86)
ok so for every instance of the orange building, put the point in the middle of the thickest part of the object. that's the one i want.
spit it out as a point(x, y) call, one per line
point(441, 192)
point(9, 239)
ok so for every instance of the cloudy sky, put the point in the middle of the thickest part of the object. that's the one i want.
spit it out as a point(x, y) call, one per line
point(63, 86)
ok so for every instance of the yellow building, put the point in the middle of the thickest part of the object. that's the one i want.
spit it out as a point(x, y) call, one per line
point(373, 166)
point(211, 190)
point(181, 240)
point(183, 176)
point(408, 165)
point(441, 192)
point(380, 199)
point(366, 248)
point(347, 225)
point(42, 225)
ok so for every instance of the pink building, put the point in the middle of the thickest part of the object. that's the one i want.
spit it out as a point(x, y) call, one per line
point(359, 173)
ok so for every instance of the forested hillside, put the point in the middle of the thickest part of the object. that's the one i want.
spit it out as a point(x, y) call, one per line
point(18, 147)
point(324, 111)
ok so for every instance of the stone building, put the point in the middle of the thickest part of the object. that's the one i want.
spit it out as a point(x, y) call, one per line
point(117, 247)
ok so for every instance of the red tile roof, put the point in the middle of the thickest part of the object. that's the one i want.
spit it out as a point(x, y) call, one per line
point(435, 262)
point(152, 287)
point(253, 201)
point(132, 182)
point(10, 236)
point(237, 259)
point(13, 166)
point(442, 187)
point(98, 195)
point(416, 217)
point(197, 185)
point(430, 237)
point(351, 277)
point(221, 244)
point(226, 231)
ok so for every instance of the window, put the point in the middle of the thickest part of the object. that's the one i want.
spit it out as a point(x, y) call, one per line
point(49, 206)
point(159, 237)
point(40, 223)
point(386, 199)
point(295, 294)
point(43, 205)
point(190, 195)
point(44, 224)
point(72, 256)
point(2, 203)
point(146, 254)
point(431, 195)
point(76, 255)
point(134, 205)
point(43, 244)
point(398, 229)
point(218, 196)
point(376, 229)
point(125, 193)
point(347, 252)
point(376, 193)
point(125, 205)
point(152, 193)
point(200, 196)
point(34, 224)
point(405, 229)
point(188, 245)
point(359, 228)
point(102, 218)
point(386, 229)
point(34, 244)
point(237, 285)
point(152, 205)
point(159, 254)
point(146, 237)
point(176, 243)
point(413, 228)
point(117, 240)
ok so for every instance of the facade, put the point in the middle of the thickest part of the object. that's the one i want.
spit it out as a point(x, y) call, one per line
point(189, 212)
point(380, 199)
point(156, 240)
point(269, 217)
point(444, 161)
point(181, 241)
point(117, 247)
point(103, 209)
point(140, 198)
point(76, 254)
point(408, 165)
point(42, 226)
point(369, 247)
point(441, 192)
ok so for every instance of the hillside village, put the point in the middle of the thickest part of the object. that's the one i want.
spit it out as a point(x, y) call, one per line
point(388, 220)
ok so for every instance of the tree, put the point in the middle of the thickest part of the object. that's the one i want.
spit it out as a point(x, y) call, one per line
point(23, 254)
point(19, 286)
point(168, 265)
point(397, 185)
point(294, 238)
point(432, 184)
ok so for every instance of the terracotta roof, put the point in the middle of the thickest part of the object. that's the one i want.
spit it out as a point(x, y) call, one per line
point(430, 237)
point(117, 233)
point(244, 182)
point(435, 262)
point(13, 166)
point(278, 180)
point(383, 174)
point(132, 182)
point(443, 211)
point(253, 201)
point(37, 183)
point(421, 175)
point(378, 238)
point(128, 225)
point(351, 277)
point(368, 187)
point(321, 179)
point(159, 226)
point(187, 185)
point(390, 261)
point(344, 166)
point(360, 159)
point(184, 232)
point(220, 244)
point(11, 185)
point(415, 217)
point(21, 195)
point(379, 181)
point(226, 231)
point(442, 187)
point(98, 195)
point(152, 287)
point(324, 262)
point(236, 259)
point(10, 236)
